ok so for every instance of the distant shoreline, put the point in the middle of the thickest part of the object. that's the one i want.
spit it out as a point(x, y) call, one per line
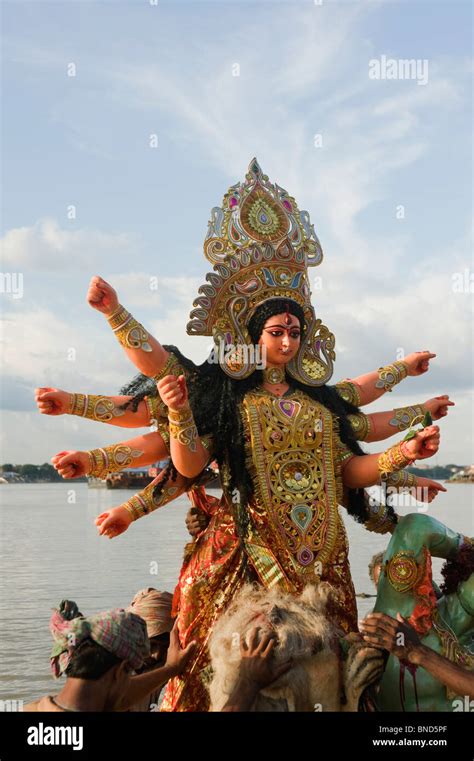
point(46, 474)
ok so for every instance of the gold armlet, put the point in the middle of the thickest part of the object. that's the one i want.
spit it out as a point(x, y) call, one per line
point(111, 459)
point(393, 459)
point(93, 407)
point(405, 417)
point(390, 375)
point(171, 367)
point(379, 521)
point(144, 502)
point(349, 392)
point(361, 426)
point(183, 428)
point(129, 332)
point(180, 416)
point(157, 409)
point(400, 480)
point(140, 504)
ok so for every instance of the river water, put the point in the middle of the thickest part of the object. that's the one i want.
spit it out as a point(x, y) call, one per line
point(50, 550)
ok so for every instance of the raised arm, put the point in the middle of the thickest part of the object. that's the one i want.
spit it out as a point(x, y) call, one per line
point(116, 520)
point(188, 453)
point(369, 387)
point(368, 470)
point(133, 453)
point(381, 425)
point(146, 353)
point(103, 409)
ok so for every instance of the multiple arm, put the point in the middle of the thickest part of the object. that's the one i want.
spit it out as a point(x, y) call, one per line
point(146, 353)
point(133, 453)
point(151, 410)
point(115, 521)
point(153, 360)
point(382, 425)
point(188, 453)
point(367, 470)
point(370, 386)
point(103, 409)
point(179, 438)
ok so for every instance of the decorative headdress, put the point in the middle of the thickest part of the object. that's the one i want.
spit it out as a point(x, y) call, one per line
point(260, 246)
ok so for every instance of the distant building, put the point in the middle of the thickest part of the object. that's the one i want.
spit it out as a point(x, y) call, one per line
point(130, 478)
point(466, 475)
point(11, 477)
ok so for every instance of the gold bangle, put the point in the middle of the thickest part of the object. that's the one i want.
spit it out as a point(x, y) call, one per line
point(97, 462)
point(94, 407)
point(393, 459)
point(379, 521)
point(360, 424)
point(390, 375)
point(111, 459)
point(171, 367)
point(144, 502)
point(117, 317)
point(405, 417)
point(78, 404)
point(182, 427)
point(182, 415)
point(400, 480)
point(130, 333)
point(207, 443)
point(157, 409)
point(185, 433)
point(129, 507)
point(138, 505)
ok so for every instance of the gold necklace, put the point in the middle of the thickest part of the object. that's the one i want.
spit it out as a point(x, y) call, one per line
point(274, 375)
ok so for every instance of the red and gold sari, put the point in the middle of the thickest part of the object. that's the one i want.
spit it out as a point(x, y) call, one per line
point(295, 534)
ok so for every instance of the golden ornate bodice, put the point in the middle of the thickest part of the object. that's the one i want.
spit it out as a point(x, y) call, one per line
point(294, 455)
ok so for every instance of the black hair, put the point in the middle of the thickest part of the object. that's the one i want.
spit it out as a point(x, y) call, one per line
point(458, 569)
point(91, 661)
point(269, 309)
point(214, 398)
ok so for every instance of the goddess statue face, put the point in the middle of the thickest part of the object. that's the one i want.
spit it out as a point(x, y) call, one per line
point(281, 336)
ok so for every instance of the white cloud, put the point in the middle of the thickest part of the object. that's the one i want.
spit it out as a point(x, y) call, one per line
point(378, 311)
point(47, 247)
point(153, 291)
point(39, 347)
point(315, 80)
point(43, 349)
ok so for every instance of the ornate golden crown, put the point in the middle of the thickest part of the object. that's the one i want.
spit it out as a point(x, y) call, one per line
point(260, 246)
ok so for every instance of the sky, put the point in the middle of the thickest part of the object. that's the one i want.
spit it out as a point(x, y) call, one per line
point(124, 123)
